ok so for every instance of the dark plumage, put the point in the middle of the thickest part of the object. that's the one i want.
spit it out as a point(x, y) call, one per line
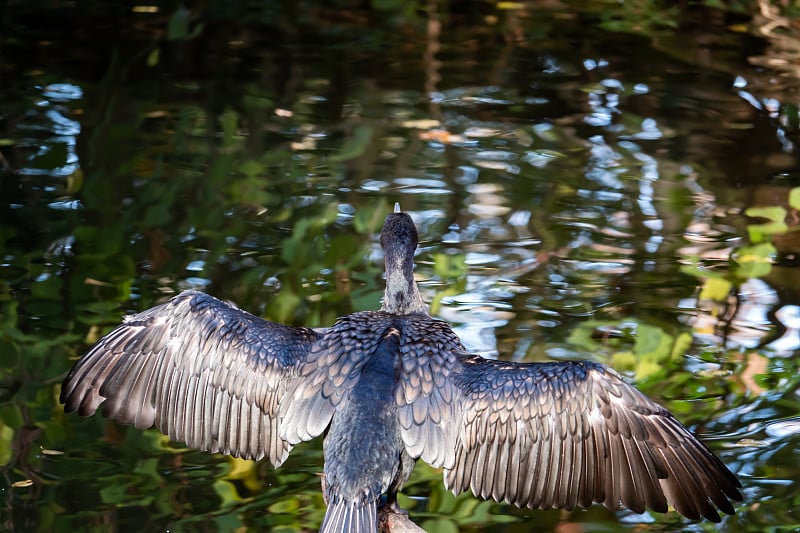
point(391, 386)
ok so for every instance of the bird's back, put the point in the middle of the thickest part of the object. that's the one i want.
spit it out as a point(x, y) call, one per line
point(364, 450)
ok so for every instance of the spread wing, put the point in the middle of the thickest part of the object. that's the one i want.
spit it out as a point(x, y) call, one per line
point(202, 371)
point(557, 435)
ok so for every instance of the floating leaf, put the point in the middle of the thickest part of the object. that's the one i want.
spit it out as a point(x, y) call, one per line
point(776, 225)
point(227, 492)
point(754, 261)
point(715, 288)
point(244, 471)
point(763, 232)
point(774, 213)
point(753, 269)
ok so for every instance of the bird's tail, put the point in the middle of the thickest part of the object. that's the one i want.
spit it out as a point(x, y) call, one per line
point(350, 517)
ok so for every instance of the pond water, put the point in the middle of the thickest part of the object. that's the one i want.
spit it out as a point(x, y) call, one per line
point(583, 176)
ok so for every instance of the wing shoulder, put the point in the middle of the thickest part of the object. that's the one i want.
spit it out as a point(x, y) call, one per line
point(428, 401)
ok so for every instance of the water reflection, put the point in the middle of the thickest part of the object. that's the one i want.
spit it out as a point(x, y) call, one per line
point(54, 154)
point(561, 175)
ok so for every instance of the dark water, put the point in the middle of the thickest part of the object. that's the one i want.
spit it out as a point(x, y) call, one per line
point(579, 173)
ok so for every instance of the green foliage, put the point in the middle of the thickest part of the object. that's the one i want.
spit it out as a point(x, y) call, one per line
point(645, 17)
point(754, 261)
point(750, 261)
point(635, 346)
point(453, 270)
point(715, 286)
point(448, 266)
point(179, 26)
point(446, 512)
point(763, 232)
point(6, 438)
point(356, 145)
point(223, 163)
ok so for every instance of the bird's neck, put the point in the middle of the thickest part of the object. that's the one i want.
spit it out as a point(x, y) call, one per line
point(401, 296)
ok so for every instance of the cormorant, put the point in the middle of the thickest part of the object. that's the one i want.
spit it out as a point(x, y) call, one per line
point(390, 387)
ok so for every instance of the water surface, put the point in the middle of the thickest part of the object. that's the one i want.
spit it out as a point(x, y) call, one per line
point(579, 174)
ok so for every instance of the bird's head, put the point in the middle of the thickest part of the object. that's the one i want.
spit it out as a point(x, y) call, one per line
point(399, 241)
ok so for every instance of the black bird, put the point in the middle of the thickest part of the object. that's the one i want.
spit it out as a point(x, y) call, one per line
point(392, 386)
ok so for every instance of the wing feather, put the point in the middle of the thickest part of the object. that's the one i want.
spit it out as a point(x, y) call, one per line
point(201, 370)
point(426, 398)
point(558, 435)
